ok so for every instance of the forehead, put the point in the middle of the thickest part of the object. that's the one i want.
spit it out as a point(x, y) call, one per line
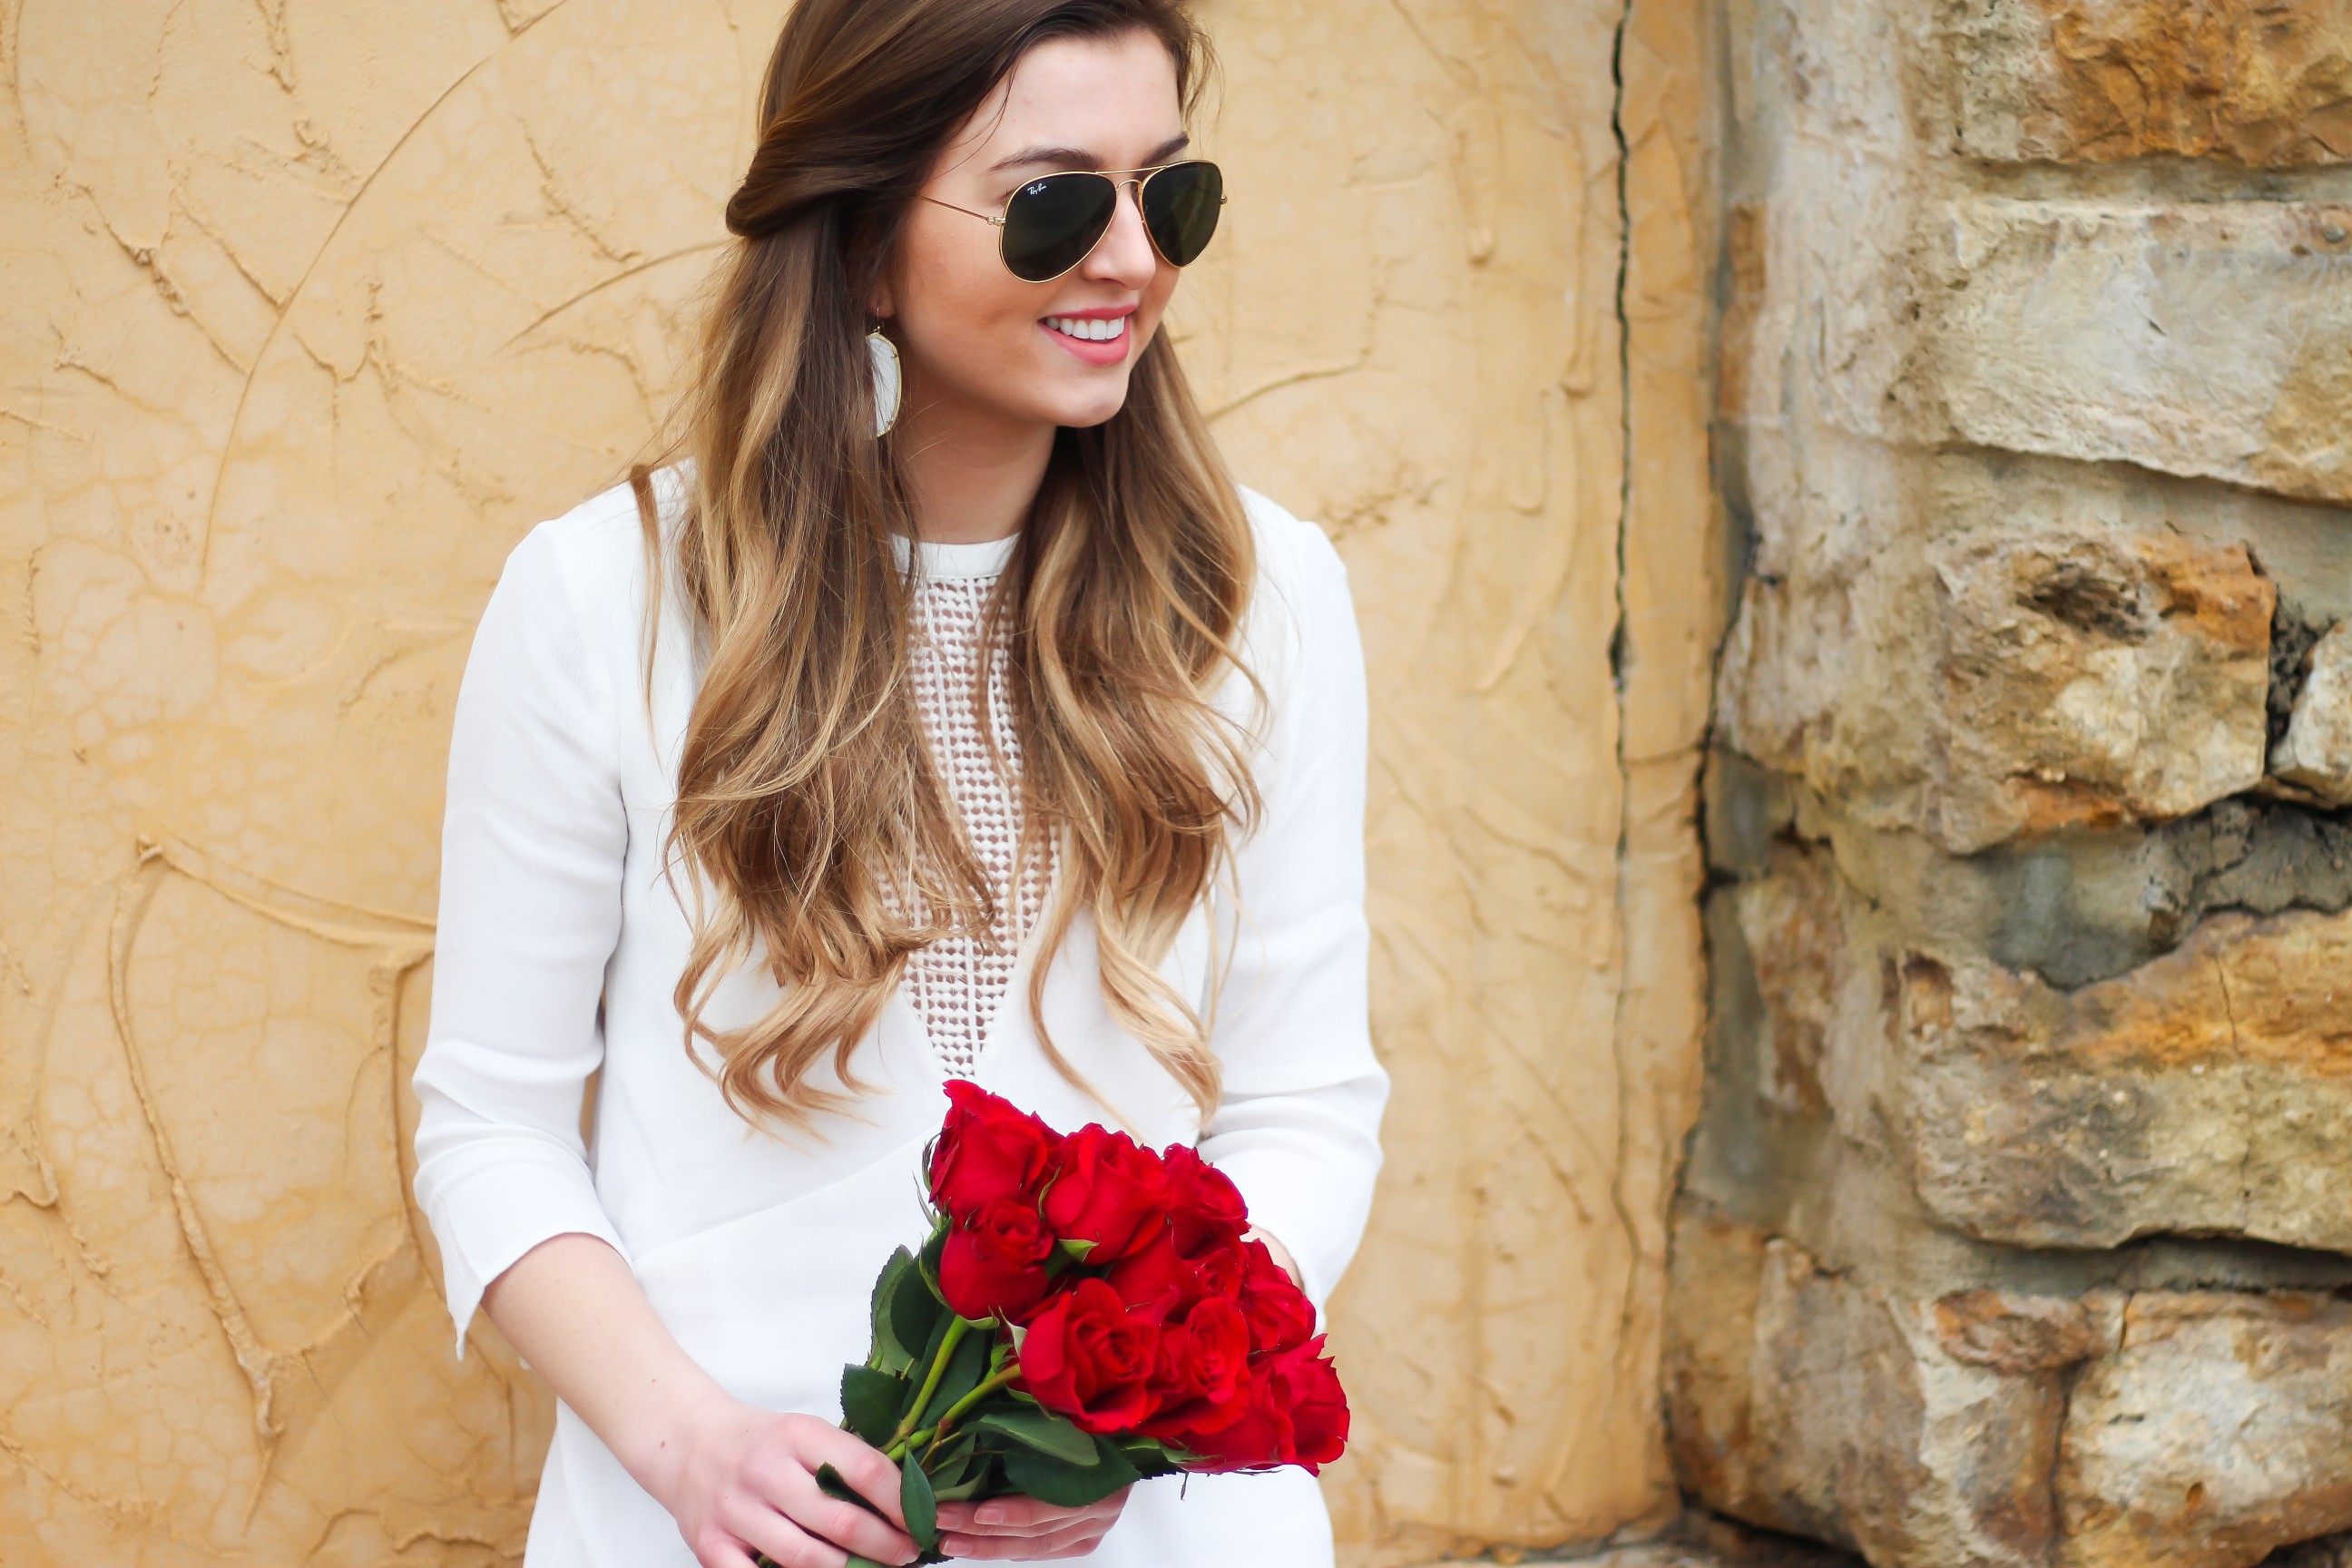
point(1112, 96)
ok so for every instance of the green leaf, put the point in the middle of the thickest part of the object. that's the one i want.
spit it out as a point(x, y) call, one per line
point(1067, 1485)
point(1076, 1251)
point(871, 1403)
point(929, 1258)
point(915, 1314)
point(921, 1509)
point(969, 1366)
point(891, 1353)
point(1152, 1458)
point(830, 1482)
point(1040, 1429)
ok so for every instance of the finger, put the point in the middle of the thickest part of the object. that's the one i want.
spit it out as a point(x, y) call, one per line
point(785, 1544)
point(1027, 1516)
point(844, 1524)
point(869, 1474)
point(1073, 1543)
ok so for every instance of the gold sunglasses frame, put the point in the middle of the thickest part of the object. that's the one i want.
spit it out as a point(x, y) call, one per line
point(1120, 179)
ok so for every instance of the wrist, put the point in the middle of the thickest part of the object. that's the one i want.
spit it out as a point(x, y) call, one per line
point(670, 1427)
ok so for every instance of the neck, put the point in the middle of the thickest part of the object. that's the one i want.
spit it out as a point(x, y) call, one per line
point(969, 474)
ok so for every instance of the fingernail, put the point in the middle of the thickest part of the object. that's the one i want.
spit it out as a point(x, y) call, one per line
point(991, 1515)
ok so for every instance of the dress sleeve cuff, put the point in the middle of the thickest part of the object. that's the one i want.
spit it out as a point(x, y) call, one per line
point(489, 1220)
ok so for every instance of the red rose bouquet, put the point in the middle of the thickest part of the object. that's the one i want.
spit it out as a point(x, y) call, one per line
point(1085, 1314)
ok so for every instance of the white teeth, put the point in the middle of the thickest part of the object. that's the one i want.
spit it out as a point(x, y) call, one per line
point(1094, 331)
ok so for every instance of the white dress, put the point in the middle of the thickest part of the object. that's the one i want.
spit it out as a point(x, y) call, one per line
point(560, 944)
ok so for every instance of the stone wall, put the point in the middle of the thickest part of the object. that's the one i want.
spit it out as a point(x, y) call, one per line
point(2015, 1232)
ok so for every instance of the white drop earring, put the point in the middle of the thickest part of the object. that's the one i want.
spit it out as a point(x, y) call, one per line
point(886, 380)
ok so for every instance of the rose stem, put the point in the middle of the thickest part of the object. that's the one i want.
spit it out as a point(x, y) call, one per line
point(948, 1344)
point(989, 1385)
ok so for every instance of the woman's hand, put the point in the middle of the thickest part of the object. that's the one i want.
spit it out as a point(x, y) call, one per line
point(1024, 1528)
point(742, 1481)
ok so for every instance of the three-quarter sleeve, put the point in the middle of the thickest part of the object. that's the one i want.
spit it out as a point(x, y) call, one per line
point(532, 860)
point(1298, 1127)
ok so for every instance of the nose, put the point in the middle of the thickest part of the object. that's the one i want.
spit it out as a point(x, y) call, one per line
point(1124, 255)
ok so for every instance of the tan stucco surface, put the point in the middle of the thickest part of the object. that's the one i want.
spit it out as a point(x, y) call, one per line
point(312, 307)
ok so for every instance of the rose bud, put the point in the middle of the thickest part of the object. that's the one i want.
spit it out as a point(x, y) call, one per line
point(1105, 1190)
point(1086, 1358)
point(986, 1149)
point(1204, 1207)
point(1280, 1315)
point(995, 1263)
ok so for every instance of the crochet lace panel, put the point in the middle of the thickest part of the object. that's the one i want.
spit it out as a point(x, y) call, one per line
point(957, 982)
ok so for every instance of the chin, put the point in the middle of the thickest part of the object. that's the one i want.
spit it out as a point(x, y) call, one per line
point(1083, 412)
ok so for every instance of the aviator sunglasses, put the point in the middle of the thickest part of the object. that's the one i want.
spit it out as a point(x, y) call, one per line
point(1053, 222)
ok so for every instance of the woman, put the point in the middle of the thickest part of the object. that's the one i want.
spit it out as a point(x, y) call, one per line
point(818, 766)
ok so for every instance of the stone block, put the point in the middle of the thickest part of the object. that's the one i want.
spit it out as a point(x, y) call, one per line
point(2113, 1430)
point(1916, 1433)
point(2316, 752)
point(2215, 1430)
point(2017, 683)
point(2249, 81)
point(2208, 1091)
point(2091, 680)
point(2208, 339)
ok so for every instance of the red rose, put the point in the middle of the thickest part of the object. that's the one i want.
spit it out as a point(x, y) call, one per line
point(1087, 1357)
point(1319, 1407)
point(1294, 1414)
point(996, 1262)
point(1153, 1281)
point(1105, 1190)
point(1280, 1315)
point(1204, 1207)
point(1223, 1270)
point(986, 1149)
point(1206, 1357)
point(1249, 1431)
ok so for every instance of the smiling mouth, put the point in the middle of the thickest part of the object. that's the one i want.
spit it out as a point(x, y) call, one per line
point(1104, 330)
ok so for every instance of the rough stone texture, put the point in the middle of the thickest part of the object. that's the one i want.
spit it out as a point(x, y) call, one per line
point(2070, 679)
point(2260, 84)
point(2212, 1433)
point(2033, 907)
point(2159, 1429)
point(2316, 750)
point(2211, 340)
point(314, 309)
point(2208, 1090)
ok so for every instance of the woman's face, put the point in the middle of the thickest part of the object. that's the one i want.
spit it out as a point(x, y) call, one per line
point(981, 345)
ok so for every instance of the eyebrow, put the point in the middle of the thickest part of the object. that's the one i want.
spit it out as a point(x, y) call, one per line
point(1074, 158)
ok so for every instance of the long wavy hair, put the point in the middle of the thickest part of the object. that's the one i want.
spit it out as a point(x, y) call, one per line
point(807, 803)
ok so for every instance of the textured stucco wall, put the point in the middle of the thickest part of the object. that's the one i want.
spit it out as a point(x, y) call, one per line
point(313, 306)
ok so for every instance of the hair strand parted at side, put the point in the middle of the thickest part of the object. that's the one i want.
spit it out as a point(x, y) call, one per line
point(805, 795)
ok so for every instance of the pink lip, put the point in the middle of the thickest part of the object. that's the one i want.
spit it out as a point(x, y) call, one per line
point(1107, 353)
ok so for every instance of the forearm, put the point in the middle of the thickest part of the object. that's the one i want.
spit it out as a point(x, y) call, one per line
point(576, 1313)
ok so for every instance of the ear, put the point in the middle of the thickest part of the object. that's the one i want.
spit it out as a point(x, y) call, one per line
point(879, 304)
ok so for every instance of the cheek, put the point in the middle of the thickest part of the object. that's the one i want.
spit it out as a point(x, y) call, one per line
point(958, 305)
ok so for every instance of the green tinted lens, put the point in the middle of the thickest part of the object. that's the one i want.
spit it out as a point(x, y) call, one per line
point(1051, 223)
point(1180, 208)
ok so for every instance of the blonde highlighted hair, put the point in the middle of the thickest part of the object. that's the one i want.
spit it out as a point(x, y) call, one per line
point(817, 824)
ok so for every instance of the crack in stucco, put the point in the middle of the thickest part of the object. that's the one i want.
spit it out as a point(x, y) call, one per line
point(1620, 652)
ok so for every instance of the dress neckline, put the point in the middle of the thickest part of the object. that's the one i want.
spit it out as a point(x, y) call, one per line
point(943, 561)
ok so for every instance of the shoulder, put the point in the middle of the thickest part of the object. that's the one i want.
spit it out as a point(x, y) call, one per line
point(1292, 551)
point(589, 561)
point(1301, 596)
